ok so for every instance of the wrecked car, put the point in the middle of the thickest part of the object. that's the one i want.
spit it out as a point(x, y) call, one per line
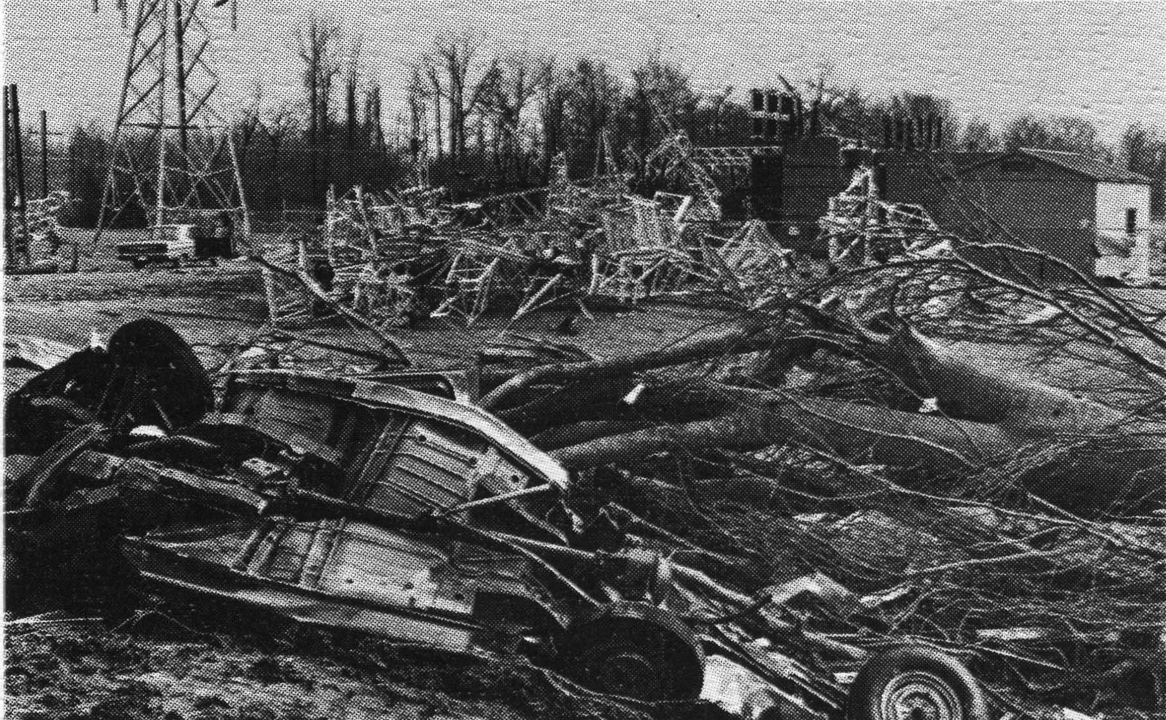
point(390, 504)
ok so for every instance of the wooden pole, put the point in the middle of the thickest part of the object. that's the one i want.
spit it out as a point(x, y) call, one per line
point(314, 121)
point(180, 74)
point(7, 154)
point(351, 97)
point(18, 146)
point(44, 153)
point(9, 248)
point(380, 128)
point(159, 214)
point(74, 259)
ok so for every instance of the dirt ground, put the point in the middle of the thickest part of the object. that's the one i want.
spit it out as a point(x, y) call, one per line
point(215, 305)
point(152, 668)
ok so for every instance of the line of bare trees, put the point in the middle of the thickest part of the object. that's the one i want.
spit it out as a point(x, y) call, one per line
point(479, 118)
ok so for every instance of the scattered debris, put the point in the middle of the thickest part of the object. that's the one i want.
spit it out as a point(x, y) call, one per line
point(861, 228)
point(35, 243)
point(393, 507)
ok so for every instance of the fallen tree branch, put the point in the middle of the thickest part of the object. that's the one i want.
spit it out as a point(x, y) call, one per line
point(736, 340)
point(846, 428)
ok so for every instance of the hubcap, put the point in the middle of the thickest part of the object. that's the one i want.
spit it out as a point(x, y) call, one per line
point(919, 695)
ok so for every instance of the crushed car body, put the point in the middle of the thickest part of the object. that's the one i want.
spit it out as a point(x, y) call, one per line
point(390, 505)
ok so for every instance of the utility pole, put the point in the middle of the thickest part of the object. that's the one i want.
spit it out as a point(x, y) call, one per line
point(180, 75)
point(44, 153)
point(44, 134)
point(15, 197)
point(350, 88)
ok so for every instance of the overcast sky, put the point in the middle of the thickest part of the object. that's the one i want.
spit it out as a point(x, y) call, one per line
point(1105, 61)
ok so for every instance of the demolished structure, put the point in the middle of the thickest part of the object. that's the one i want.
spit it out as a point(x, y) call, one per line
point(33, 238)
point(861, 228)
point(393, 257)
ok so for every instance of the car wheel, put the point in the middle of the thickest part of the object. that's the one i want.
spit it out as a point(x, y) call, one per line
point(634, 650)
point(138, 264)
point(915, 682)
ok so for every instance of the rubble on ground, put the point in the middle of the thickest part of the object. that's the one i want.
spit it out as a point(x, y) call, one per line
point(398, 258)
point(35, 243)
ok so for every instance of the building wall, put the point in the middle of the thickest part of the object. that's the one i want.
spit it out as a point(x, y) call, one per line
point(1048, 207)
point(811, 174)
point(908, 180)
point(1112, 201)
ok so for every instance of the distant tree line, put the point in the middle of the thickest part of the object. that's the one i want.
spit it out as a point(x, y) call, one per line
point(483, 120)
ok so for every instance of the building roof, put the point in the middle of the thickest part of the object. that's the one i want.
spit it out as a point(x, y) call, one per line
point(959, 158)
point(1083, 165)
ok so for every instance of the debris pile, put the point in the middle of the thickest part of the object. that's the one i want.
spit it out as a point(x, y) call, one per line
point(34, 241)
point(860, 227)
point(872, 492)
point(928, 434)
point(838, 479)
point(399, 257)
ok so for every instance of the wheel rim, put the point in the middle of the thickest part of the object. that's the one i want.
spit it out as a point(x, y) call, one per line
point(919, 695)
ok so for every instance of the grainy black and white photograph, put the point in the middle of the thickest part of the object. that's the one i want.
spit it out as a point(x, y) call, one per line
point(622, 360)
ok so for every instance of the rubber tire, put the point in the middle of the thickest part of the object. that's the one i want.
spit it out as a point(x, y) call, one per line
point(863, 700)
point(637, 634)
point(154, 347)
point(138, 264)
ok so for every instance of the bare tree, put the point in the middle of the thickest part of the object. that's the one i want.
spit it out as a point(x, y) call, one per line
point(458, 72)
point(318, 47)
point(276, 124)
point(1142, 148)
point(661, 90)
point(553, 99)
point(593, 103)
point(1055, 133)
point(516, 80)
point(351, 78)
point(978, 135)
point(250, 121)
point(435, 93)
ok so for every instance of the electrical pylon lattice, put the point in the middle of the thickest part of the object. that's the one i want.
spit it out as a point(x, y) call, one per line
point(172, 152)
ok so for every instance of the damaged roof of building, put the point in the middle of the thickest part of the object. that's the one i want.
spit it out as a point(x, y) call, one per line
point(1084, 165)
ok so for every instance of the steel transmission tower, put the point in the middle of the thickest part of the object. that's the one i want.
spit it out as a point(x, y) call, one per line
point(172, 153)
